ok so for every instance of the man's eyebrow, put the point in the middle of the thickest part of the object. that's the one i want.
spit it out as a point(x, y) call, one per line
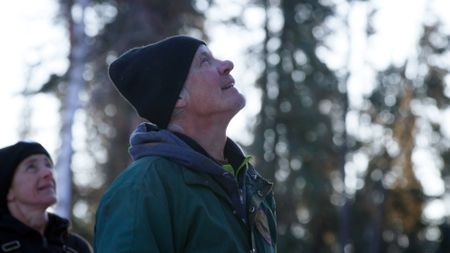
point(201, 56)
point(204, 54)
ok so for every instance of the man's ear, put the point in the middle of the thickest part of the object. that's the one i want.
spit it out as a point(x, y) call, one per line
point(181, 102)
point(10, 196)
point(182, 99)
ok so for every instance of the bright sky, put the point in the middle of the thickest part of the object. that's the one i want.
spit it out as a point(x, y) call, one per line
point(28, 35)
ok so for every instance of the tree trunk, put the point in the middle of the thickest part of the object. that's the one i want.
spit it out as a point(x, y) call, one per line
point(75, 83)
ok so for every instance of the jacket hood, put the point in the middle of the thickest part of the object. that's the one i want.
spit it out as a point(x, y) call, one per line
point(147, 139)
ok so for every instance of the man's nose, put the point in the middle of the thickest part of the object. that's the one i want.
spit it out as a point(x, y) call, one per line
point(226, 66)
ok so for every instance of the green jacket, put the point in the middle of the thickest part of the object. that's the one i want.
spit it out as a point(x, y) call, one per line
point(158, 205)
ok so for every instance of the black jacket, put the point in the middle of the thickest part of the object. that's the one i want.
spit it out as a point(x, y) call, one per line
point(16, 237)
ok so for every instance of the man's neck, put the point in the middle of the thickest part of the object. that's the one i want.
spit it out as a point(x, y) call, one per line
point(211, 137)
point(213, 144)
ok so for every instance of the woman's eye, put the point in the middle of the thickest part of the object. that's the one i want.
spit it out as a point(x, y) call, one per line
point(31, 168)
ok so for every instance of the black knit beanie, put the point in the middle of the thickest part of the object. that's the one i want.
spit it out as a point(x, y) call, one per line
point(151, 77)
point(10, 158)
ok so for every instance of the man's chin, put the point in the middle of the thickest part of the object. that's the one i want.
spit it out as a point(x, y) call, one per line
point(242, 103)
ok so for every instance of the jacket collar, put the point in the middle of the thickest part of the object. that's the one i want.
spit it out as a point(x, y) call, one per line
point(55, 231)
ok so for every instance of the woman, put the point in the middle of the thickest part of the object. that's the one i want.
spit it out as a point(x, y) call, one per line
point(27, 189)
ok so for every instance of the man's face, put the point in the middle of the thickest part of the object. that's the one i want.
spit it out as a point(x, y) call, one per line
point(210, 87)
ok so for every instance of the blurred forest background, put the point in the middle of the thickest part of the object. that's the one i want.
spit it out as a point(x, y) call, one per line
point(349, 168)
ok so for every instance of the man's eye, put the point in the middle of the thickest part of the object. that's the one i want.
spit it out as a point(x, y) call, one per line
point(204, 60)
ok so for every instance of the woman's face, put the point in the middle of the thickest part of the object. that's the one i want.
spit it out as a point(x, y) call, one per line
point(33, 183)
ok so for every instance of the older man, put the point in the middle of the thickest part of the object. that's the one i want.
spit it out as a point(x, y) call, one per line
point(190, 188)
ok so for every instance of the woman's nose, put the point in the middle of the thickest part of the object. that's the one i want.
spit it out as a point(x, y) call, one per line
point(47, 172)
